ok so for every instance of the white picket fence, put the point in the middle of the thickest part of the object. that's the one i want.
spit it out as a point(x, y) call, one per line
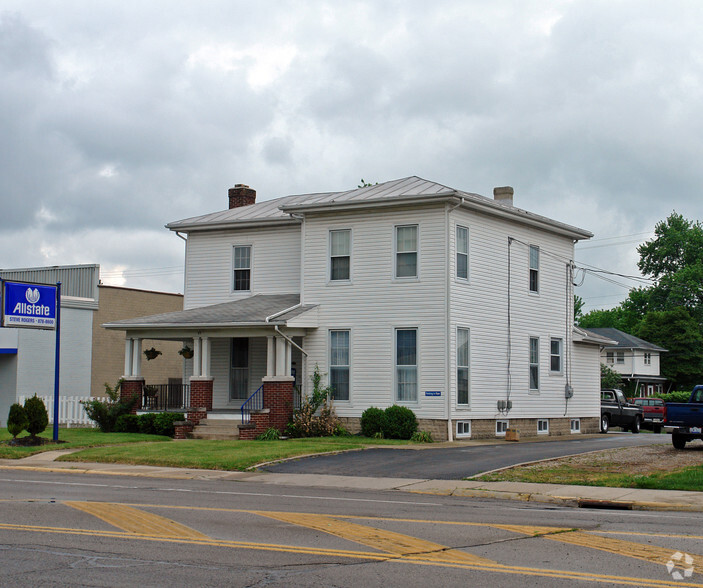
point(71, 411)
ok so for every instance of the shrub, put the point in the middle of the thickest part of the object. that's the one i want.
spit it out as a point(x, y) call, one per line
point(341, 431)
point(163, 423)
point(106, 412)
point(373, 420)
point(270, 434)
point(422, 437)
point(16, 420)
point(316, 416)
point(680, 396)
point(400, 422)
point(147, 423)
point(37, 417)
point(127, 423)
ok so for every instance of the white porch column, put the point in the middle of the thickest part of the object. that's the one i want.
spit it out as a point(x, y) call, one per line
point(281, 345)
point(128, 357)
point(205, 371)
point(197, 349)
point(270, 356)
point(289, 358)
point(136, 357)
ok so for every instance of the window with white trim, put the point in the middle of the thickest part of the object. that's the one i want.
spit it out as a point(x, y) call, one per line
point(555, 354)
point(609, 357)
point(462, 253)
point(340, 255)
point(647, 359)
point(406, 251)
point(463, 429)
point(620, 357)
point(534, 364)
point(501, 428)
point(339, 364)
point(462, 367)
point(242, 268)
point(406, 365)
point(534, 268)
point(575, 425)
point(542, 427)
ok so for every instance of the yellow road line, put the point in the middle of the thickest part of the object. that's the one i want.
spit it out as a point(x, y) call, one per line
point(388, 541)
point(134, 520)
point(496, 568)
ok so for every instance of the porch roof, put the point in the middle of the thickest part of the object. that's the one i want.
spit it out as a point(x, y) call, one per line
point(248, 312)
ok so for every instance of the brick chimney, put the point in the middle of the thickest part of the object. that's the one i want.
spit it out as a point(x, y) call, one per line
point(241, 195)
point(503, 195)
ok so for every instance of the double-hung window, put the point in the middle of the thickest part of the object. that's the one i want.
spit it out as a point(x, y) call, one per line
point(555, 355)
point(339, 364)
point(462, 366)
point(462, 253)
point(340, 255)
point(242, 268)
point(534, 268)
point(534, 364)
point(647, 359)
point(406, 365)
point(620, 357)
point(406, 251)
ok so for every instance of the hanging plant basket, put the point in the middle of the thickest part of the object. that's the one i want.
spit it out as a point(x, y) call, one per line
point(186, 352)
point(152, 353)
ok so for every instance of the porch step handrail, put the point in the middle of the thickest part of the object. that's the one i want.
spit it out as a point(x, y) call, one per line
point(254, 402)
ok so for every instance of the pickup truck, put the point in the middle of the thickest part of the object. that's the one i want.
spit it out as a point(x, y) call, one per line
point(686, 418)
point(653, 412)
point(616, 411)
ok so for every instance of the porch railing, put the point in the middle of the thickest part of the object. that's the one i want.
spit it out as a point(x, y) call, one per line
point(254, 402)
point(166, 397)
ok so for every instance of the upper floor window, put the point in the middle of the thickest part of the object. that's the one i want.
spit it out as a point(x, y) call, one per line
point(609, 357)
point(620, 357)
point(340, 254)
point(534, 268)
point(242, 268)
point(339, 364)
point(647, 359)
point(534, 363)
point(406, 365)
point(406, 251)
point(462, 366)
point(462, 253)
point(555, 354)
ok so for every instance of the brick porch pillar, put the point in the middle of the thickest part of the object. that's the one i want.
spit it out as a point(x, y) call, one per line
point(132, 386)
point(201, 392)
point(278, 398)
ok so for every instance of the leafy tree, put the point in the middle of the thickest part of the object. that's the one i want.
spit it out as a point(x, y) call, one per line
point(677, 245)
point(578, 308)
point(365, 184)
point(16, 420)
point(37, 417)
point(609, 378)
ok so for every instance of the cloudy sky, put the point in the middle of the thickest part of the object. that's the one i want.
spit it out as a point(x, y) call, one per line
point(117, 117)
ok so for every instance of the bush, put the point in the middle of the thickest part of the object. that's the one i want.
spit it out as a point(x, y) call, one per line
point(680, 396)
point(105, 413)
point(163, 423)
point(16, 420)
point(270, 434)
point(307, 421)
point(147, 423)
point(37, 417)
point(422, 437)
point(400, 422)
point(373, 420)
point(127, 423)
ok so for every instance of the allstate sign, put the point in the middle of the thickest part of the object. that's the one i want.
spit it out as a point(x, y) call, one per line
point(29, 305)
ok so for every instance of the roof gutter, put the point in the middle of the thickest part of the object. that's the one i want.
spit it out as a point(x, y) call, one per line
point(286, 337)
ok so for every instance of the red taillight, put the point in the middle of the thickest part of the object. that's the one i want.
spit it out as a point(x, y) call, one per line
point(664, 415)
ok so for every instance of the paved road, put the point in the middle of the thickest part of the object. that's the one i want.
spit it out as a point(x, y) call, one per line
point(455, 463)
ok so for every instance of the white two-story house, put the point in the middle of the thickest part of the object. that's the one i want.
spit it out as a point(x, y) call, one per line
point(407, 292)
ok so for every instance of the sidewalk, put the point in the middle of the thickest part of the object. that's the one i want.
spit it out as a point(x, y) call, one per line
point(581, 496)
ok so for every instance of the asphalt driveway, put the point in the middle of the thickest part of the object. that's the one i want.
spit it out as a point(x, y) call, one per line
point(455, 463)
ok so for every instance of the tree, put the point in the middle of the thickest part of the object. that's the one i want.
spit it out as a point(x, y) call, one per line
point(37, 417)
point(16, 420)
point(578, 308)
point(609, 378)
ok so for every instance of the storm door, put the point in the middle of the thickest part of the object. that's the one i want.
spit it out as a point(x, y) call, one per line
point(239, 370)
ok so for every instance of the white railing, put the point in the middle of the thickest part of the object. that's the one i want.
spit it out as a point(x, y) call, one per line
point(71, 411)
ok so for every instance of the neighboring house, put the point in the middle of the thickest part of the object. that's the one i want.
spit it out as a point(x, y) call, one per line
point(637, 360)
point(409, 292)
point(90, 356)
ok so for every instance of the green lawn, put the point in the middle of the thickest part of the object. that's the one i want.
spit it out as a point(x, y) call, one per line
point(221, 455)
point(70, 438)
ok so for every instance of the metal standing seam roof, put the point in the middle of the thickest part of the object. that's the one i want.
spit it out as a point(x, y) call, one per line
point(246, 312)
point(624, 340)
point(401, 190)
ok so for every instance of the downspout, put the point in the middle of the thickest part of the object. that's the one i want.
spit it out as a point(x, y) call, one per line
point(447, 268)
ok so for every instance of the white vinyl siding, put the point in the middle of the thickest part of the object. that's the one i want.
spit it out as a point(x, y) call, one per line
point(406, 365)
point(462, 253)
point(340, 255)
point(406, 251)
point(340, 362)
point(462, 362)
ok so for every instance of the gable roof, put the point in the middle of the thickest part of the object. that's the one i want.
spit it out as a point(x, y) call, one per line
point(624, 340)
point(410, 190)
point(251, 311)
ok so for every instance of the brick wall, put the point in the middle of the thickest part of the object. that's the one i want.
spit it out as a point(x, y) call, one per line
point(278, 398)
point(201, 393)
point(131, 388)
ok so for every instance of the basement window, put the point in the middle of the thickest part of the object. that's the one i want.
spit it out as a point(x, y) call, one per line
point(542, 427)
point(463, 429)
point(501, 428)
point(575, 425)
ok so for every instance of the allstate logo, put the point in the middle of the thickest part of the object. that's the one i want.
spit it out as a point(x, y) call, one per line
point(32, 296)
